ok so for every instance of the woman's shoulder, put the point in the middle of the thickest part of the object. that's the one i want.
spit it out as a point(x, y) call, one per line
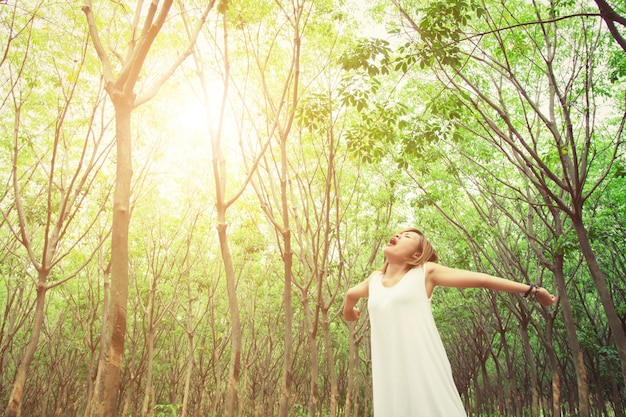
point(375, 274)
point(431, 266)
point(430, 269)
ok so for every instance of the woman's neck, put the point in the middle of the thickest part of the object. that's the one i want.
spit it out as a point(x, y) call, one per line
point(395, 270)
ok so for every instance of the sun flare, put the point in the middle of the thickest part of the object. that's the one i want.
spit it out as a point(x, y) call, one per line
point(190, 128)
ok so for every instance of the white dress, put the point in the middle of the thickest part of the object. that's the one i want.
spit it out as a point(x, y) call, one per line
point(411, 373)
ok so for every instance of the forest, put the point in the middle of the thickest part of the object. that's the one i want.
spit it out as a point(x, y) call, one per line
point(190, 187)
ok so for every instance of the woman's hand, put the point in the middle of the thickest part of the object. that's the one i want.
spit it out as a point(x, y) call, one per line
point(544, 297)
point(351, 315)
point(353, 295)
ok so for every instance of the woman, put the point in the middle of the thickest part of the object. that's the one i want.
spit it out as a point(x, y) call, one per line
point(410, 370)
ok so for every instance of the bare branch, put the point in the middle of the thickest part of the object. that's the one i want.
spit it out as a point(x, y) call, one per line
point(193, 37)
point(93, 32)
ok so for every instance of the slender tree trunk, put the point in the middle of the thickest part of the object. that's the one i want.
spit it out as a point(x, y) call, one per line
point(190, 356)
point(570, 327)
point(313, 371)
point(530, 360)
point(235, 319)
point(99, 360)
point(148, 398)
point(221, 204)
point(15, 399)
point(217, 371)
point(330, 363)
point(485, 395)
point(556, 388)
point(554, 366)
point(121, 92)
point(146, 410)
point(612, 317)
point(9, 325)
point(112, 350)
point(126, 404)
point(506, 396)
point(350, 405)
point(617, 400)
point(188, 374)
point(285, 397)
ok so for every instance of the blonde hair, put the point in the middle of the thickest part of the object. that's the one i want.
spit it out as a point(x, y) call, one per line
point(425, 252)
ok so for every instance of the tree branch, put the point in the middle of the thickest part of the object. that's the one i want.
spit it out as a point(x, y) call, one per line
point(93, 32)
point(610, 17)
point(153, 90)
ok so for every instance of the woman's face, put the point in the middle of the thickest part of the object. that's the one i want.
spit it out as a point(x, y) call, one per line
point(402, 246)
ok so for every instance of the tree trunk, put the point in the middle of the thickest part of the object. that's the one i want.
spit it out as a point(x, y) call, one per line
point(530, 360)
point(313, 370)
point(507, 395)
point(612, 317)
point(95, 361)
point(235, 320)
point(618, 401)
point(15, 399)
point(556, 394)
point(570, 326)
point(554, 365)
point(330, 363)
point(146, 410)
point(285, 397)
point(190, 356)
point(112, 350)
point(353, 352)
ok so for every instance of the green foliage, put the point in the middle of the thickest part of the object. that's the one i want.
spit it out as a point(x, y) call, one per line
point(368, 140)
point(314, 112)
point(620, 170)
point(166, 410)
point(370, 55)
point(617, 63)
point(407, 56)
point(442, 28)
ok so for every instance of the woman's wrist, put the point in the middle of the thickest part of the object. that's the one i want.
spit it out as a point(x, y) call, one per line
point(541, 294)
point(533, 289)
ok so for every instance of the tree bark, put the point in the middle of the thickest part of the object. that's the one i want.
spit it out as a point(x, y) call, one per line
point(615, 324)
point(14, 406)
point(530, 360)
point(330, 363)
point(570, 327)
point(285, 397)
point(235, 318)
point(351, 405)
point(105, 400)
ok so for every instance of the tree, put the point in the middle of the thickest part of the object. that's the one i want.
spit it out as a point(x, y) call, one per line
point(121, 92)
point(50, 216)
point(569, 120)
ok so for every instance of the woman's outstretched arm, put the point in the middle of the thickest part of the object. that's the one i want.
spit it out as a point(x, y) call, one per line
point(439, 275)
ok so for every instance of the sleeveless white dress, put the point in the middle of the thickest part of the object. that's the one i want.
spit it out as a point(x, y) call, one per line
point(411, 372)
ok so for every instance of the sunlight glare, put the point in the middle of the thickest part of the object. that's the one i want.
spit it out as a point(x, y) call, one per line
point(194, 124)
point(195, 118)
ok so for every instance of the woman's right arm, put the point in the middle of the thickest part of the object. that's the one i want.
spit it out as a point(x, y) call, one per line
point(353, 295)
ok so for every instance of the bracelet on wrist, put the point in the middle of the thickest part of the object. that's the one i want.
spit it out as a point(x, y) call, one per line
point(529, 290)
point(535, 287)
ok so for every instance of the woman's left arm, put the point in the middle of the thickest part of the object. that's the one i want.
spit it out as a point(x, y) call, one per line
point(439, 275)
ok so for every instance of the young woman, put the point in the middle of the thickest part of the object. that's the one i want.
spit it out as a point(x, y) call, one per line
point(410, 369)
